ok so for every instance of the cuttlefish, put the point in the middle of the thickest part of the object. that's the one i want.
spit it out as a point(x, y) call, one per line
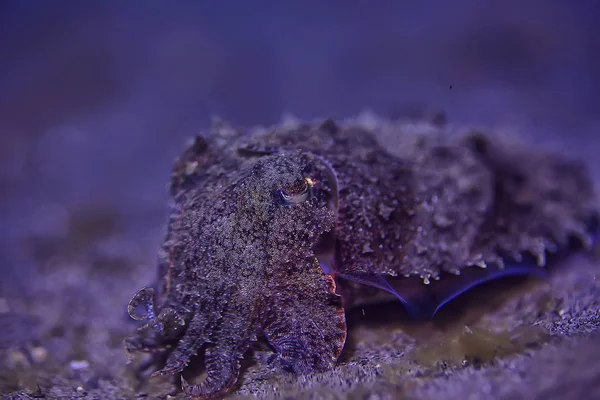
point(277, 232)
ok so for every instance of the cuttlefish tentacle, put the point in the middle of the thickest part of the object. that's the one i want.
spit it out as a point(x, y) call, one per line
point(167, 317)
point(222, 369)
point(226, 329)
point(188, 346)
point(307, 325)
point(150, 337)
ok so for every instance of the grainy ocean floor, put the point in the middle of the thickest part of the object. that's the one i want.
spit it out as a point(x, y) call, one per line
point(533, 340)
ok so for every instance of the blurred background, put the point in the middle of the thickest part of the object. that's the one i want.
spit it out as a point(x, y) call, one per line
point(97, 98)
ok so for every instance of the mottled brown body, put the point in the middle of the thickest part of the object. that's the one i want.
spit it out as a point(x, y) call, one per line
point(264, 225)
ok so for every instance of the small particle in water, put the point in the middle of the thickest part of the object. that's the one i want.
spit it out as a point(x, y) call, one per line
point(4, 306)
point(39, 354)
point(77, 365)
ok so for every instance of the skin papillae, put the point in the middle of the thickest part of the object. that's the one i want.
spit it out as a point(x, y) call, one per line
point(274, 232)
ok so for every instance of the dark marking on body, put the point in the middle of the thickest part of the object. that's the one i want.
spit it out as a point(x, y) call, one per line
point(278, 231)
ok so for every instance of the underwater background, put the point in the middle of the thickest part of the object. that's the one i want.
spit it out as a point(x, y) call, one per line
point(98, 98)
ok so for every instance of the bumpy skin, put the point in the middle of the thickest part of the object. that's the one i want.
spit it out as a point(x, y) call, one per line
point(269, 229)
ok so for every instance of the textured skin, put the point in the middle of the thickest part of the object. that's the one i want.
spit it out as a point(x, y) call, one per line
point(273, 232)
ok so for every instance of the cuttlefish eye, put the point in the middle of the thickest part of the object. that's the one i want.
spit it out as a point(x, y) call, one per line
point(299, 192)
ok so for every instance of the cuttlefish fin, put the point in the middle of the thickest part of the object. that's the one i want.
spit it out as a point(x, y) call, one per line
point(423, 301)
